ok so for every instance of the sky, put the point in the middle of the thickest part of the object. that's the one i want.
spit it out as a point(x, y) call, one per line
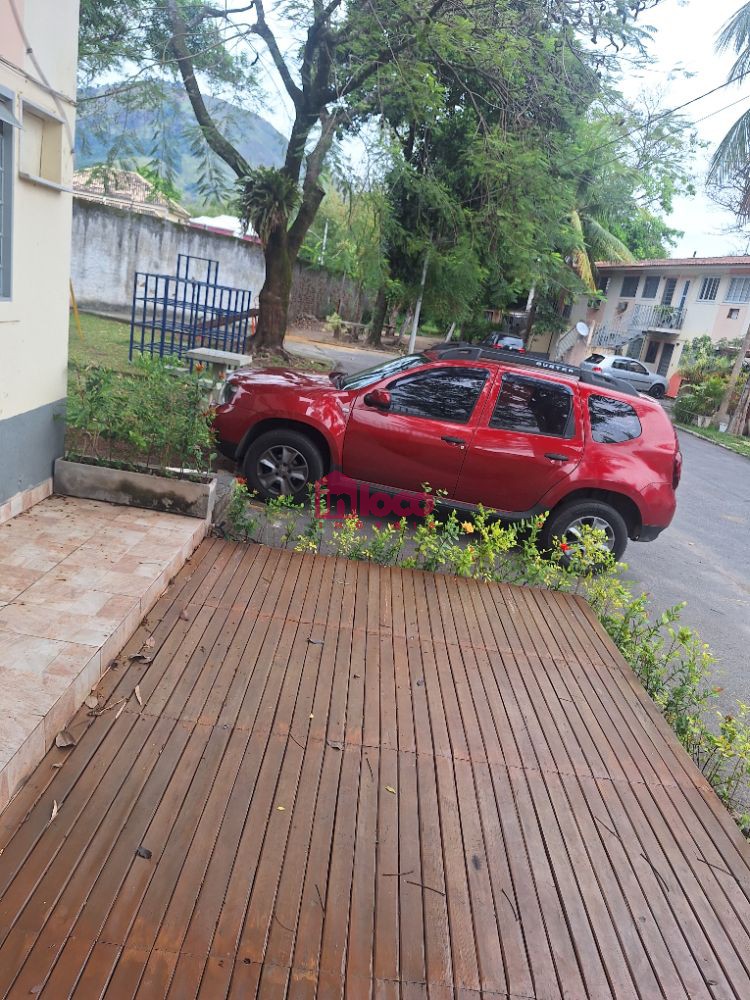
point(684, 40)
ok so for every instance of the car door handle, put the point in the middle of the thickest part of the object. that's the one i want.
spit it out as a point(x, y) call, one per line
point(554, 457)
point(453, 440)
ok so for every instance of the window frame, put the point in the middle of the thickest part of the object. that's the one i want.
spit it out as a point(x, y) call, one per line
point(8, 154)
point(651, 278)
point(626, 278)
point(707, 285)
point(426, 372)
point(745, 282)
point(569, 431)
point(51, 147)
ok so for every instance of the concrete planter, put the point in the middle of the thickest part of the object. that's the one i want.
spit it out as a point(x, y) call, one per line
point(135, 489)
point(703, 421)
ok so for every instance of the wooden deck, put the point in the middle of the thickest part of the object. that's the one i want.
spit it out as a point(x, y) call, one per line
point(374, 783)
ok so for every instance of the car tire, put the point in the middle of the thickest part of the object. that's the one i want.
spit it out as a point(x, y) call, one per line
point(282, 463)
point(562, 522)
point(657, 391)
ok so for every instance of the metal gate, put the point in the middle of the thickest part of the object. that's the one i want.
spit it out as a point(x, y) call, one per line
point(173, 314)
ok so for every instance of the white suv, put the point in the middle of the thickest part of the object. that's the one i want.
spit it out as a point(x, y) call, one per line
point(627, 368)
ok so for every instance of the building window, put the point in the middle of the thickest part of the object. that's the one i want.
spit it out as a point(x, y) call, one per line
point(7, 124)
point(709, 289)
point(739, 290)
point(733, 314)
point(669, 289)
point(630, 287)
point(41, 146)
point(650, 288)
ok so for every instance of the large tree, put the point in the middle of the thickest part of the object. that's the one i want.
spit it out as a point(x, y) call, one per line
point(330, 57)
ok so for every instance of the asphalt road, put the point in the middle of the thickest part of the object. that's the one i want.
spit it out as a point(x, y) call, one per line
point(347, 359)
point(703, 558)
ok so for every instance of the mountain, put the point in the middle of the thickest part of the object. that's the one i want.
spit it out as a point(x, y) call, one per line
point(156, 127)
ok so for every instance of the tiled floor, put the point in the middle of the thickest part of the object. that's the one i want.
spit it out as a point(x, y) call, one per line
point(76, 577)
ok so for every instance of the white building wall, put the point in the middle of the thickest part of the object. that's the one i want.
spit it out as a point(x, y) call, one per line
point(34, 319)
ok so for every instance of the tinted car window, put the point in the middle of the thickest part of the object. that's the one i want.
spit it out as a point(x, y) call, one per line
point(441, 394)
point(612, 420)
point(532, 406)
point(594, 359)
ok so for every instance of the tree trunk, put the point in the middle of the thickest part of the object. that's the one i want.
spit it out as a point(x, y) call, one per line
point(274, 296)
point(722, 416)
point(378, 318)
point(739, 420)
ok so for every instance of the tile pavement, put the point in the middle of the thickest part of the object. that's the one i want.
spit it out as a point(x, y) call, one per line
point(76, 578)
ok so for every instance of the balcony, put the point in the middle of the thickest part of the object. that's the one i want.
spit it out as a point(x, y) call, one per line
point(668, 319)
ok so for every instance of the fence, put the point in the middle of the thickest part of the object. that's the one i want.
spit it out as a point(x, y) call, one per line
point(173, 314)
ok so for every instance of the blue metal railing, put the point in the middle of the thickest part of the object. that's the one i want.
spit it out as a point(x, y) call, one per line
point(175, 313)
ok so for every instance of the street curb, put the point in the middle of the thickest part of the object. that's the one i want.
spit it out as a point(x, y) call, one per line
point(718, 444)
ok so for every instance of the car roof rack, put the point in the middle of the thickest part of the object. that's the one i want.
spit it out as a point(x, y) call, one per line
point(477, 352)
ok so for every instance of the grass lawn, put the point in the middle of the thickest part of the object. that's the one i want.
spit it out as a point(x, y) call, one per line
point(739, 444)
point(106, 342)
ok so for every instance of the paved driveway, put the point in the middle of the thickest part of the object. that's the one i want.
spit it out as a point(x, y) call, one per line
point(704, 558)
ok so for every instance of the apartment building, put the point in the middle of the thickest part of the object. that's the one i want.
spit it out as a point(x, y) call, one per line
point(653, 308)
point(38, 54)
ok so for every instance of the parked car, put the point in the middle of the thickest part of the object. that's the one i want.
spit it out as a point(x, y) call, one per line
point(518, 434)
point(630, 369)
point(504, 341)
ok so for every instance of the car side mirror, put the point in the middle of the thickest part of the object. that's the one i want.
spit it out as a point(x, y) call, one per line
point(378, 398)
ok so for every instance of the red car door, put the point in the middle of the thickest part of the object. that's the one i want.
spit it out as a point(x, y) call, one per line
point(424, 435)
point(529, 438)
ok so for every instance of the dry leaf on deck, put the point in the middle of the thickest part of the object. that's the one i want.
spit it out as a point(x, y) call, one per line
point(184, 616)
point(55, 810)
point(65, 739)
point(143, 852)
point(140, 658)
point(137, 693)
point(149, 643)
point(60, 764)
point(92, 701)
point(388, 788)
point(121, 709)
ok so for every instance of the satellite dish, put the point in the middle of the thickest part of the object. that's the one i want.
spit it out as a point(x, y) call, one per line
point(583, 329)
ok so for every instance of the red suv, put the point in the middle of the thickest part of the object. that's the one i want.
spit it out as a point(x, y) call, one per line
point(517, 434)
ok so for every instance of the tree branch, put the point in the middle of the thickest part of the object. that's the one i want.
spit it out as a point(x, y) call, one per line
point(261, 28)
point(312, 192)
point(221, 146)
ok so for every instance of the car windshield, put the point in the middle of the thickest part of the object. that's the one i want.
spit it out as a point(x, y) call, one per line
point(594, 359)
point(370, 375)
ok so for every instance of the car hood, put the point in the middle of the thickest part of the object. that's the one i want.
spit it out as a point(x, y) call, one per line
point(282, 378)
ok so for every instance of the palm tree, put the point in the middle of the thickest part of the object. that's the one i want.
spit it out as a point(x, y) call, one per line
point(595, 242)
point(730, 164)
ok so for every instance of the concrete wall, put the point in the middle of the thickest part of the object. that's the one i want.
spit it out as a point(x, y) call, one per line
point(34, 318)
point(111, 244)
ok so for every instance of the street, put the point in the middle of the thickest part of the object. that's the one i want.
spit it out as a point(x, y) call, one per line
point(704, 559)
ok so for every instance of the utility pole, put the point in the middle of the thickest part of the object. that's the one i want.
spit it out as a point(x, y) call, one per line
point(418, 307)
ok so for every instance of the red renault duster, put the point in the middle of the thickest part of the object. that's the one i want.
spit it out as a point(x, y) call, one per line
point(518, 434)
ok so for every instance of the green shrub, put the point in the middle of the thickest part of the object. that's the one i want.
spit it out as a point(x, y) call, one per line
point(700, 400)
point(155, 417)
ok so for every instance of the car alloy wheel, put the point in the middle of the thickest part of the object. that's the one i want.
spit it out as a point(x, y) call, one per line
point(574, 532)
point(282, 470)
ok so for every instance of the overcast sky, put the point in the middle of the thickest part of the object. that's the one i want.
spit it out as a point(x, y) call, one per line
point(684, 39)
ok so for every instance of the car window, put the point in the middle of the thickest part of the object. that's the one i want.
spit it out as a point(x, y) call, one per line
point(594, 359)
point(370, 375)
point(532, 406)
point(612, 420)
point(636, 366)
point(439, 394)
point(621, 364)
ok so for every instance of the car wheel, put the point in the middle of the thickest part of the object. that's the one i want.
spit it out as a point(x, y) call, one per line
point(282, 463)
point(657, 391)
point(566, 522)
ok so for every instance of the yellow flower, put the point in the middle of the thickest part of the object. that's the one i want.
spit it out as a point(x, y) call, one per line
point(468, 527)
